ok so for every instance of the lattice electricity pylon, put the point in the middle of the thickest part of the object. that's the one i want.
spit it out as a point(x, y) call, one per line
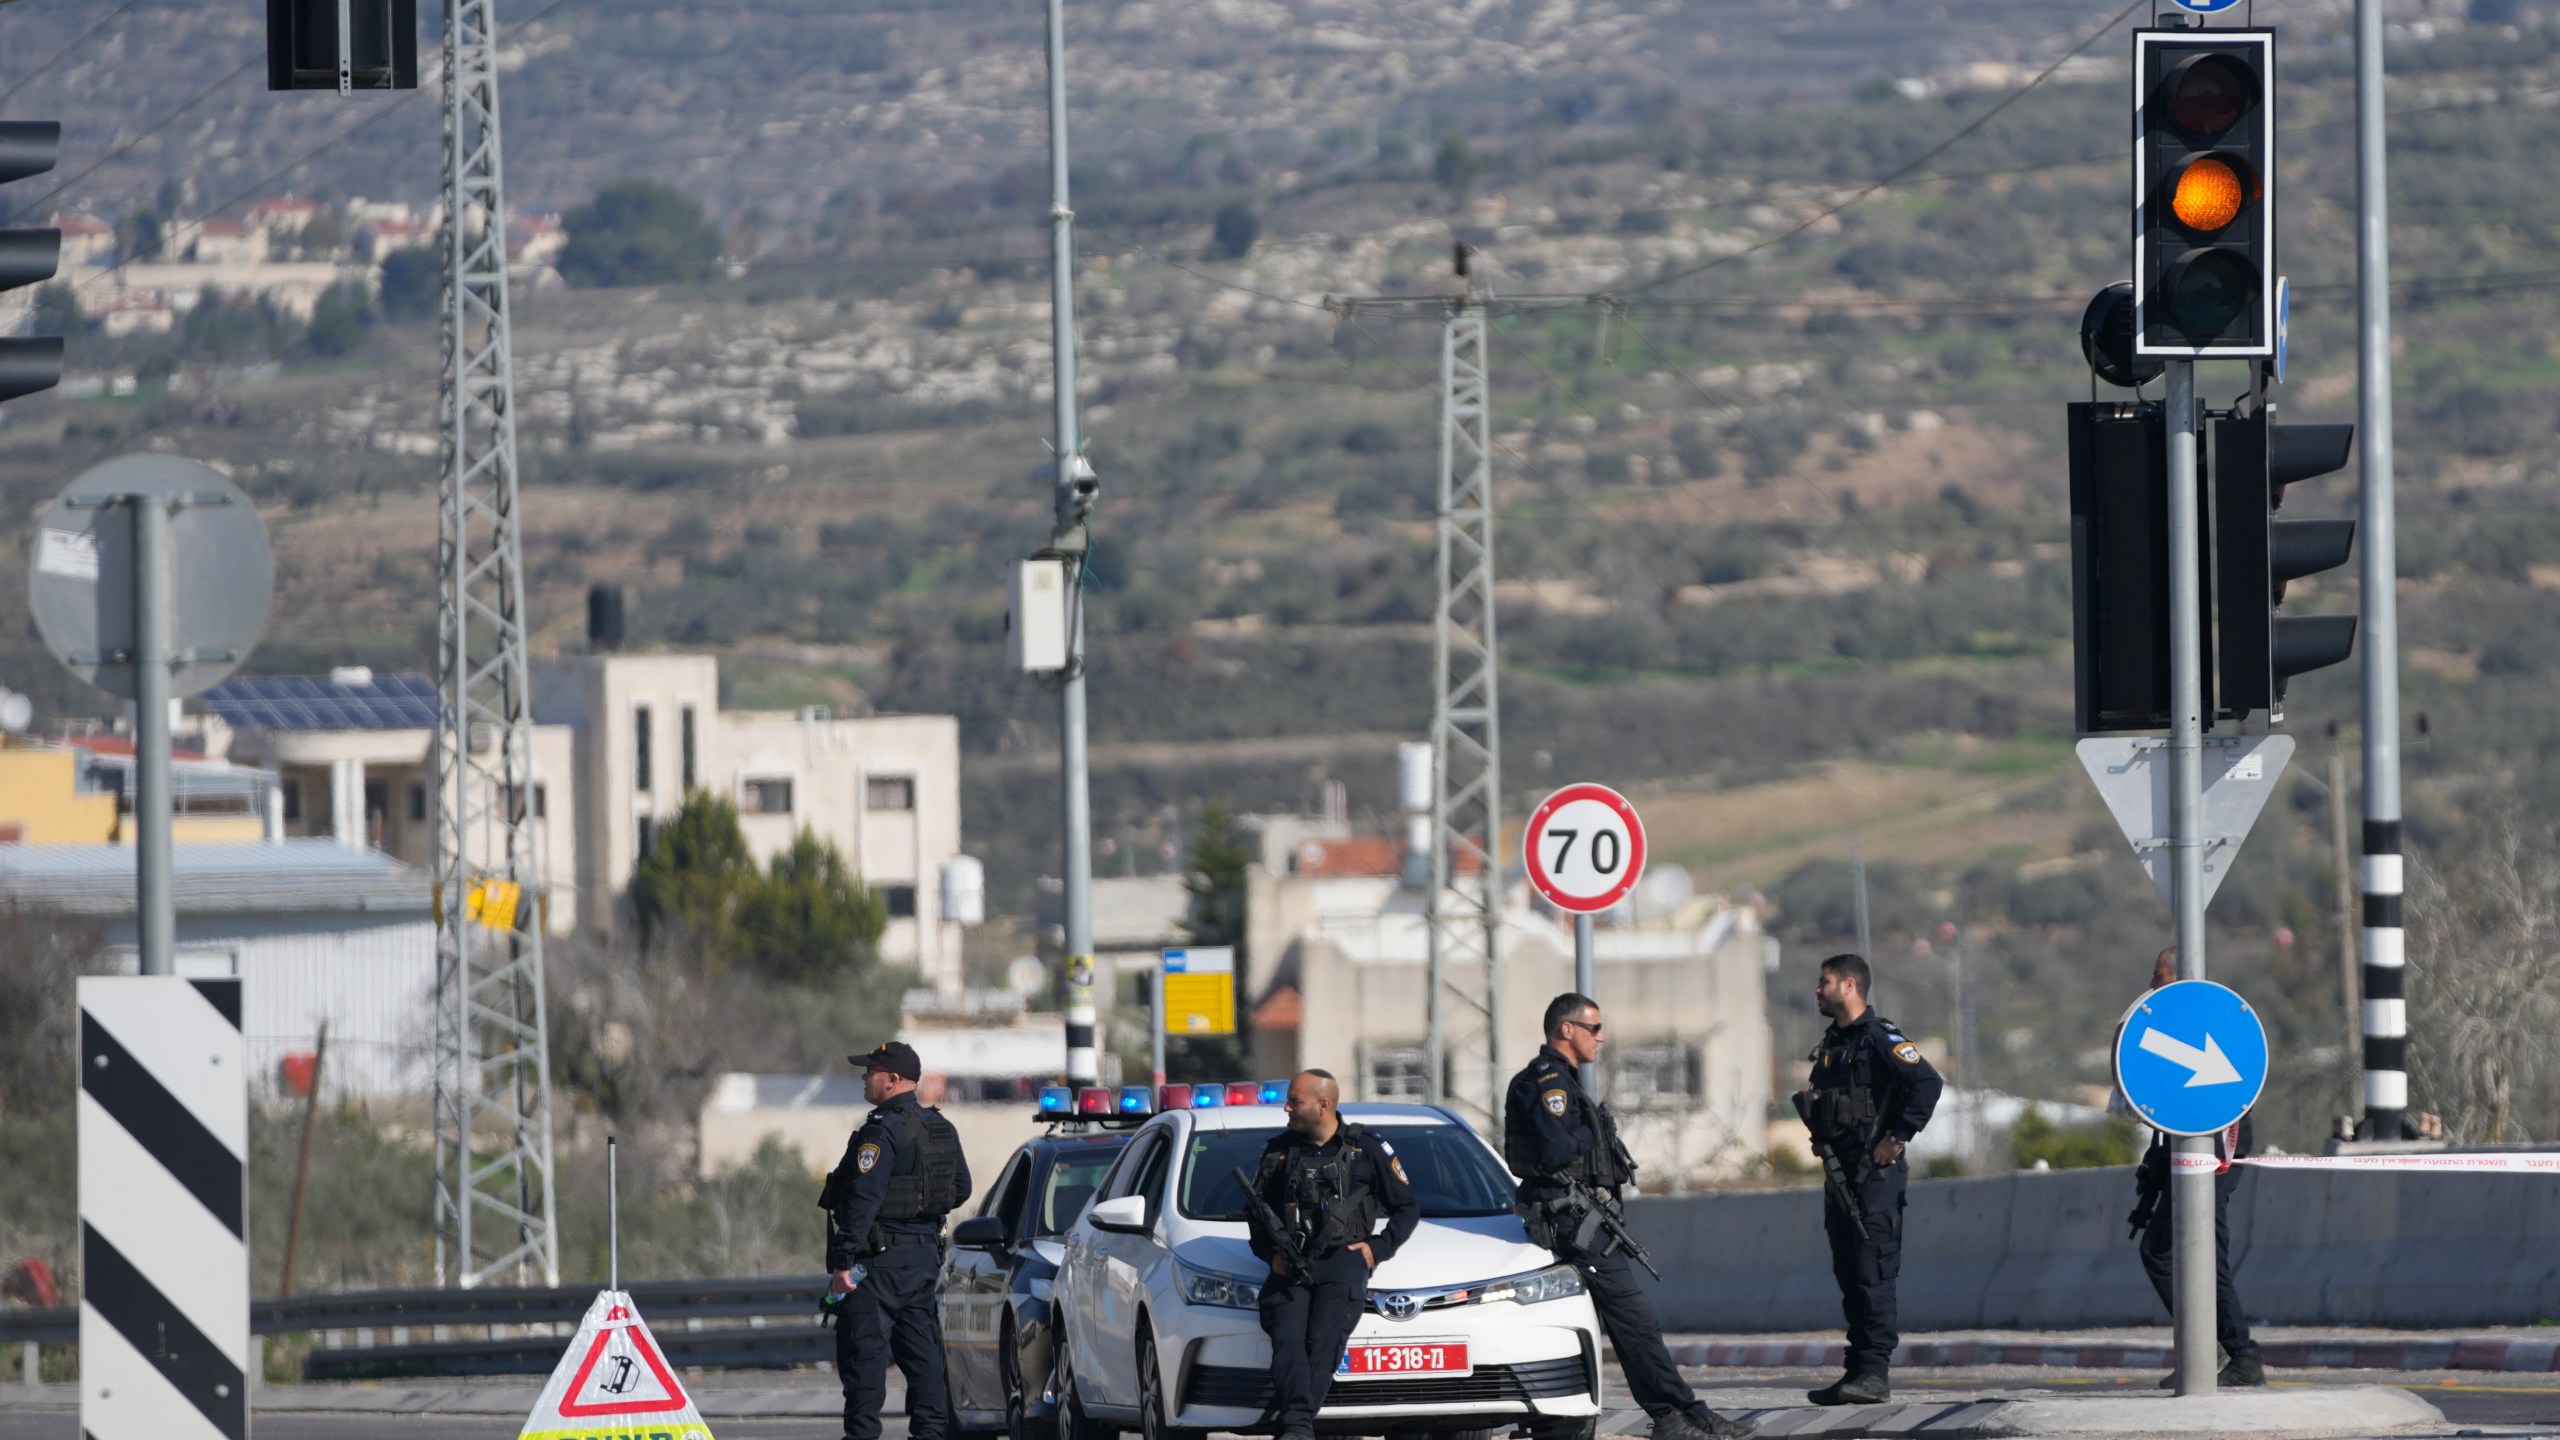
point(1464, 1008)
point(494, 1205)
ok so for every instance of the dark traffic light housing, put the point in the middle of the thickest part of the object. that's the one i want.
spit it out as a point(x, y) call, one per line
point(375, 49)
point(2204, 193)
point(2120, 567)
point(28, 363)
point(2257, 553)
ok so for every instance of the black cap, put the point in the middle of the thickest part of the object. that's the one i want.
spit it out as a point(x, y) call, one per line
point(895, 1056)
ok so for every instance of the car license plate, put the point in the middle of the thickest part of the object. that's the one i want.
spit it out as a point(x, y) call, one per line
point(1407, 1357)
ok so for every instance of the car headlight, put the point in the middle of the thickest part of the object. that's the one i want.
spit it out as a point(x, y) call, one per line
point(1208, 1287)
point(1553, 1283)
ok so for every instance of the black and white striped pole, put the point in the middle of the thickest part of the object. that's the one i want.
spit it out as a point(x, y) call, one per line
point(2386, 1010)
point(164, 1254)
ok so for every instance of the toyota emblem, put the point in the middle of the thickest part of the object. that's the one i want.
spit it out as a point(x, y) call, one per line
point(1398, 1306)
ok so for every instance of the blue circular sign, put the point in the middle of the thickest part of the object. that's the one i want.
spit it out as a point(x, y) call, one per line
point(2206, 7)
point(2191, 1057)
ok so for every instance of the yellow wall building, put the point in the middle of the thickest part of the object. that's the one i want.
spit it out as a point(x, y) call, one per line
point(74, 794)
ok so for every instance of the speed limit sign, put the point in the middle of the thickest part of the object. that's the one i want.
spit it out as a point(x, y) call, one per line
point(1585, 848)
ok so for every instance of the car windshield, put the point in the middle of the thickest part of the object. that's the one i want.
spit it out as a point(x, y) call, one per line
point(1069, 1187)
point(1450, 1171)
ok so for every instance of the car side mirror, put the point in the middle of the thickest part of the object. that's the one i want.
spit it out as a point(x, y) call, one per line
point(1126, 1215)
point(982, 1232)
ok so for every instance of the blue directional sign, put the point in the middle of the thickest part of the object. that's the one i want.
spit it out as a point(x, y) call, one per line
point(2206, 7)
point(2191, 1057)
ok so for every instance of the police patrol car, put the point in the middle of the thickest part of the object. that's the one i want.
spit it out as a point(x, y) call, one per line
point(1471, 1330)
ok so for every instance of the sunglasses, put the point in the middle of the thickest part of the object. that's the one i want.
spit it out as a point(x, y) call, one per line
point(1595, 1026)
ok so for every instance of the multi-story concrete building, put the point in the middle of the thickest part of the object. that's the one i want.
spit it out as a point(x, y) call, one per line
point(648, 730)
point(618, 742)
point(1336, 951)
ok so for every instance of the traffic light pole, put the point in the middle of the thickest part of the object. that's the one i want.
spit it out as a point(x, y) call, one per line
point(2191, 1160)
point(2386, 1018)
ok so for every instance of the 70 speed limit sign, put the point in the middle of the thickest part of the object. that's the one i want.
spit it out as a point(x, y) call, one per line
point(1585, 848)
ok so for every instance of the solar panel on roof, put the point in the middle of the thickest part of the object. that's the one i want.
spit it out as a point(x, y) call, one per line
point(316, 702)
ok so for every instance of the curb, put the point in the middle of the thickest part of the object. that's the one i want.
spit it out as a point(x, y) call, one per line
point(2479, 1353)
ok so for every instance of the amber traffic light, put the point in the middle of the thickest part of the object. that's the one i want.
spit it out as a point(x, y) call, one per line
point(2203, 196)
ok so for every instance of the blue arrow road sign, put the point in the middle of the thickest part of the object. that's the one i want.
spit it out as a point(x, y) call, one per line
point(2191, 1057)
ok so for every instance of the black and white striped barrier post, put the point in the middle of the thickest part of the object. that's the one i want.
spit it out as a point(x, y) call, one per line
point(2386, 1010)
point(164, 1254)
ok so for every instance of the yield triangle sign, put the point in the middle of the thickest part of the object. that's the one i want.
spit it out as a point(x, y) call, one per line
point(614, 1383)
point(2132, 775)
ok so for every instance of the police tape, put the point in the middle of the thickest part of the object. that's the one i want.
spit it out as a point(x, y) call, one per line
point(2536, 1164)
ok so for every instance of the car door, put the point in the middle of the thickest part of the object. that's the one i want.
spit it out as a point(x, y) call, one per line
point(1129, 1262)
point(1084, 1282)
point(972, 1301)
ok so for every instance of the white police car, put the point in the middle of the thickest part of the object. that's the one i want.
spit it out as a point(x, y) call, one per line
point(1471, 1329)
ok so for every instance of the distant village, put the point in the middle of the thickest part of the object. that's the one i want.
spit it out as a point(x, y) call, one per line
point(141, 277)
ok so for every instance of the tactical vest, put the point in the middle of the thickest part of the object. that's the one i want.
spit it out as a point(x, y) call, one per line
point(931, 1189)
point(1847, 1096)
point(1605, 1166)
point(1323, 1206)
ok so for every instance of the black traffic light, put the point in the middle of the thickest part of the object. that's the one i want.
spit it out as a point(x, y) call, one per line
point(2120, 567)
point(2204, 197)
point(28, 363)
point(376, 48)
point(2261, 648)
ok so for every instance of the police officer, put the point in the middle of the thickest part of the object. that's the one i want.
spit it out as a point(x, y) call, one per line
point(1329, 1182)
point(1870, 1093)
point(2154, 1225)
point(901, 1173)
point(1557, 1139)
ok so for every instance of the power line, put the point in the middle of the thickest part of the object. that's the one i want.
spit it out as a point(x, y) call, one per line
point(47, 67)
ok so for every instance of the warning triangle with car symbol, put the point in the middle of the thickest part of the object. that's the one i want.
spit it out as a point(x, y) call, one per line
point(614, 1383)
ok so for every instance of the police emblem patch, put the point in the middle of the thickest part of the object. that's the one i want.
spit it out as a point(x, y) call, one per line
point(865, 1158)
point(1554, 1101)
point(1398, 1166)
point(1907, 1053)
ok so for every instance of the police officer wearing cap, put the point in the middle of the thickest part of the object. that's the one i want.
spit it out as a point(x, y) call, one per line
point(901, 1173)
point(1871, 1091)
point(1330, 1182)
point(1564, 1146)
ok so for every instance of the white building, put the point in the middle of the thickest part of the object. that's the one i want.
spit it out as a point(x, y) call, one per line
point(618, 742)
point(647, 729)
point(315, 930)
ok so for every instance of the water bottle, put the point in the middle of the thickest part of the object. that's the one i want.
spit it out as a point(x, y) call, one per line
point(828, 1299)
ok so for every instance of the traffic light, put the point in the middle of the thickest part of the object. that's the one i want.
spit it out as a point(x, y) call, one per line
point(2120, 567)
point(2258, 553)
point(376, 48)
point(28, 363)
point(2204, 193)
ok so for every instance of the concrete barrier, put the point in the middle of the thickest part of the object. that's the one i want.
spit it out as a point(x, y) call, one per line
point(2048, 1250)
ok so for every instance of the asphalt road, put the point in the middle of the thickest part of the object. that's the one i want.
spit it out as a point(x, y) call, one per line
point(2476, 1404)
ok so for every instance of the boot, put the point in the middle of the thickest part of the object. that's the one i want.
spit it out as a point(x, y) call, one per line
point(1722, 1427)
point(1702, 1424)
point(2243, 1371)
point(1854, 1389)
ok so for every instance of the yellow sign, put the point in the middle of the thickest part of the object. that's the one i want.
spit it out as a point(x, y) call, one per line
point(1200, 1004)
point(493, 903)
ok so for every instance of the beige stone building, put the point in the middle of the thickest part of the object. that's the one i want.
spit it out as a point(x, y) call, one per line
point(1337, 952)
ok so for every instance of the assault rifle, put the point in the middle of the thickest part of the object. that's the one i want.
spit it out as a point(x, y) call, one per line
point(1283, 1239)
point(1835, 1176)
point(1596, 1216)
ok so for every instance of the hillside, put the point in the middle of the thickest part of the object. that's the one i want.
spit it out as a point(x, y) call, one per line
point(1783, 545)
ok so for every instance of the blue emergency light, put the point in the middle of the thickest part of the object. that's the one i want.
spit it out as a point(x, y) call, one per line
point(1137, 1100)
point(1275, 1092)
point(1057, 1100)
point(1207, 1097)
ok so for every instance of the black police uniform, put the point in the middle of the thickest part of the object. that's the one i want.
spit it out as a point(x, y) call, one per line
point(1331, 1196)
point(2153, 1214)
point(901, 1173)
point(1869, 1082)
point(1551, 1130)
